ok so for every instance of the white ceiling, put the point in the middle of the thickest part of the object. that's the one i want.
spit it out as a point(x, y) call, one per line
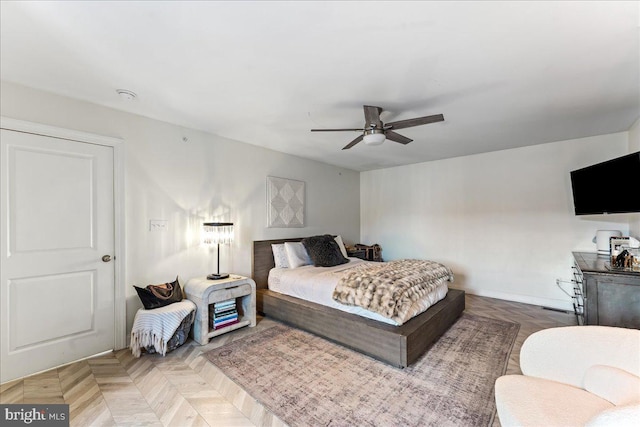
point(504, 74)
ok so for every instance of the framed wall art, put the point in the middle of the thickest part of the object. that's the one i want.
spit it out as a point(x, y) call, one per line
point(285, 203)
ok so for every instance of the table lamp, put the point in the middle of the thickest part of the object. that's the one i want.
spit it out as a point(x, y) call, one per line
point(215, 233)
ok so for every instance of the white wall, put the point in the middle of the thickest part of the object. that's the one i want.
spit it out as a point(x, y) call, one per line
point(503, 221)
point(186, 183)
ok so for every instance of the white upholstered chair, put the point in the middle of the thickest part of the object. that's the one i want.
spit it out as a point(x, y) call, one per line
point(574, 376)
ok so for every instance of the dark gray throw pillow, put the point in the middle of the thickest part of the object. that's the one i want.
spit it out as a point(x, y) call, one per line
point(324, 251)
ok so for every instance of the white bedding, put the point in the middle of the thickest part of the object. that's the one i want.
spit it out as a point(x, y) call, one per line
point(316, 284)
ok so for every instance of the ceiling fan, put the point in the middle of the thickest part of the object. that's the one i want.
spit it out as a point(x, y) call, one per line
point(375, 132)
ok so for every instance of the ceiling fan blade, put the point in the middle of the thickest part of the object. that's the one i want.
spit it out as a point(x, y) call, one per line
point(372, 116)
point(415, 122)
point(354, 142)
point(397, 137)
point(335, 130)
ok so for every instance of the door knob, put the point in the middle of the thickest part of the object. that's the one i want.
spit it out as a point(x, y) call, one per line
point(106, 258)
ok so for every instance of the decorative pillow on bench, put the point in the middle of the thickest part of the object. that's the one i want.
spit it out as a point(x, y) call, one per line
point(324, 251)
point(154, 296)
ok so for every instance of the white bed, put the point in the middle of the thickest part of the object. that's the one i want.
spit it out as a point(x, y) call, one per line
point(316, 284)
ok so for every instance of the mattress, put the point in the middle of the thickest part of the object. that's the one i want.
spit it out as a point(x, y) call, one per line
point(316, 284)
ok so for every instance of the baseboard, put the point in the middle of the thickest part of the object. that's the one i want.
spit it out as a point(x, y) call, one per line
point(525, 299)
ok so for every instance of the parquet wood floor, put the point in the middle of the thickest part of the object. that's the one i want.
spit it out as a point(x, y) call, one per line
point(183, 389)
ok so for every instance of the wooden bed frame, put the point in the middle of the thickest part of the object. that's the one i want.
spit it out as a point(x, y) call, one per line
point(397, 345)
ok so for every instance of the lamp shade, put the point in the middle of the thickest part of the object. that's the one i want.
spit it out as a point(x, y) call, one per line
point(215, 233)
point(374, 138)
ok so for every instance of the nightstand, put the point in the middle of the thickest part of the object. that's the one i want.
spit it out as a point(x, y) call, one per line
point(357, 253)
point(366, 252)
point(205, 293)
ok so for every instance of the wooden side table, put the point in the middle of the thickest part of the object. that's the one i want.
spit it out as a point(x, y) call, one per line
point(204, 292)
point(357, 253)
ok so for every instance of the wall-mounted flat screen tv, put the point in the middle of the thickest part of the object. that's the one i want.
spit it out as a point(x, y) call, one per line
point(608, 187)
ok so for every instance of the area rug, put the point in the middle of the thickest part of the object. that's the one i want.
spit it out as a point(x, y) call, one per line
point(308, 381)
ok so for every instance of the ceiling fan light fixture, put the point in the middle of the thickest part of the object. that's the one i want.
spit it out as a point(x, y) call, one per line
point(374, 138)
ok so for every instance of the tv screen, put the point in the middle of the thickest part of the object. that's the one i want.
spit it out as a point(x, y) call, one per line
point(607, 187)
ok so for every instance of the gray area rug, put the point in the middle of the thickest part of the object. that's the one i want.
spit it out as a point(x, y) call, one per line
point(309, 381)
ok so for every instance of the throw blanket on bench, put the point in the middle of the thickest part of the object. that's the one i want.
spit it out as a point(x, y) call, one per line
point(391, 288)
point(155, 327)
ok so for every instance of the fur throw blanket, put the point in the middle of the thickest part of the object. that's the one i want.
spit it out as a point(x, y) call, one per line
point(390, 288)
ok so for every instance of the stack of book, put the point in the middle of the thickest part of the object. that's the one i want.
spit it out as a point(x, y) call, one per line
point(224, 314)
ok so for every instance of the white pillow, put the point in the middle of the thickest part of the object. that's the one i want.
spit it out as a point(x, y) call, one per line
point(340, 243)
point(296, 254)
point(280, 255)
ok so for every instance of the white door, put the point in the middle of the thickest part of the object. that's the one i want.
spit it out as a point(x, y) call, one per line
point(57, 219)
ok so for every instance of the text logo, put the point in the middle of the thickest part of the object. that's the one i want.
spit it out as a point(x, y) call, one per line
point(54, 415)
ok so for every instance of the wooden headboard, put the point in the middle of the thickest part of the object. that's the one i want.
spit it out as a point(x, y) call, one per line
point(262, 260)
